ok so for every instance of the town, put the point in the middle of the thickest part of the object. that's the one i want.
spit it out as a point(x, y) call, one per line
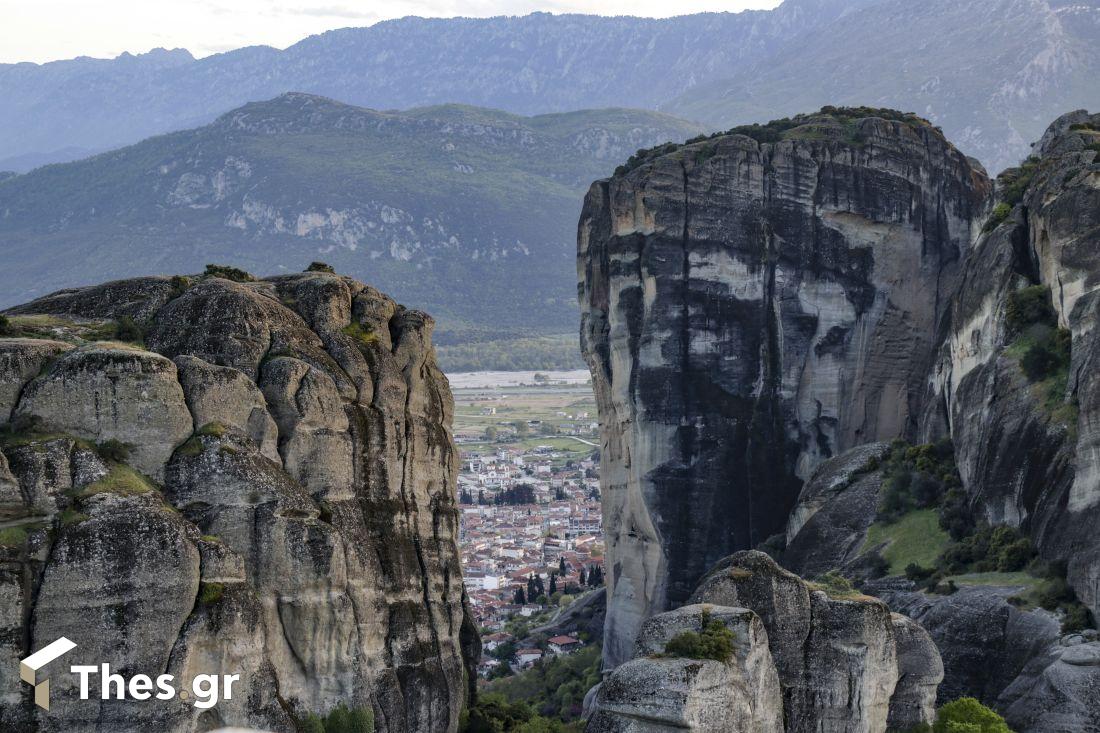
point(531, 523)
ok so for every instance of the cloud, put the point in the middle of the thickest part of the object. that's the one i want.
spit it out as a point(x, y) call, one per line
point(331, 11)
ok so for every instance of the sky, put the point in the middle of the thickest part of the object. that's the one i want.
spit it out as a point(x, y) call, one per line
point(47, 30)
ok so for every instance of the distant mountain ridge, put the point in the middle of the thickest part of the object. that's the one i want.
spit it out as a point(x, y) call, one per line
point(990, 72)
point(469, 213)
point(528, 65)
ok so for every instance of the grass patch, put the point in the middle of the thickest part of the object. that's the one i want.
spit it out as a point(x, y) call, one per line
point(363, 335)
point(915, 538)
point(71, 516)
point(212, 430)
point(837, 587)
point(120, 480)
point(211, 592)
point(1001, 212)
point(1018, 578)
point(13, 537)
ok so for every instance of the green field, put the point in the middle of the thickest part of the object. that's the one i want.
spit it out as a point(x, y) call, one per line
point(915, 538)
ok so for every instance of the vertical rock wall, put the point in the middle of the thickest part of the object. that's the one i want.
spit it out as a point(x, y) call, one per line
point(748, 310)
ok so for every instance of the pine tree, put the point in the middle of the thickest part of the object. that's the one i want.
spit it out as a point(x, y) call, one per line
point(520, 599)
point(553, 583)
point(561, 566)
point(584, 577)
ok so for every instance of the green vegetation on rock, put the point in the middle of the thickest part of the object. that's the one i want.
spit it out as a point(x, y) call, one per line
point(210, 592)
point(967, 715)
point(713, 641)
point(341, 719)
point(227, 272)
point(916, 537)
point(120, 480)
point(13, 537)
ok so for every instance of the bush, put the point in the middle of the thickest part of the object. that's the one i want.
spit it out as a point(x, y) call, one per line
point(967, 714)
point(114, 451)
point(229, 273)
point(180, 284)
point(1000, 212)
point(6, 329)
point(340, 720)
point(1028, 306)
point(1047, 355)
point(128, 331)
point(715, 641)
point(320, 267)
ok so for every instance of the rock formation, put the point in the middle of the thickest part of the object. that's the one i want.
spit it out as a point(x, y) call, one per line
point(1027, 445)
point(831, 664)
point(265, 486)
point(750, 309)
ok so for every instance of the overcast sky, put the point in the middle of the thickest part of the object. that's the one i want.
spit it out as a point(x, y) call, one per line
point(46, 30)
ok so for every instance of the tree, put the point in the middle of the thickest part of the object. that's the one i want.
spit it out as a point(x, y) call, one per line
point(967, 715)
point(553, 583)
point(519, 598)
point(491, 433)
point(465, 497)
point(561, 566)
point(584, 577)
point(522, 428)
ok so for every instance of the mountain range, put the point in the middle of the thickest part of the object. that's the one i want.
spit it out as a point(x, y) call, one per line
point(990, 72)
point(469, 213)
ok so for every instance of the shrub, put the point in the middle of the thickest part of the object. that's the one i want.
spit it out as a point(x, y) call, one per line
point(6, 329)
point(320, 267)
point(113, 450)
point(714, 641)
point(967, 714)
point(1028, 306)
point(1077, 618)
point(364, 335)
point(180, 284)
point(229, 273)
point(126, 330)
point(1000, 212)
point(1048, 355)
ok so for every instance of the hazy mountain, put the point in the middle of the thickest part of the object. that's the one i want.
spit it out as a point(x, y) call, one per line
point(470, 213)
point(528, 65)
point(992, 73)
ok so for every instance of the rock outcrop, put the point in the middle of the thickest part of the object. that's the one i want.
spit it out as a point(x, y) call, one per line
point(837, 664)
point(265, 487)
point(750, 309)
point(654, 693)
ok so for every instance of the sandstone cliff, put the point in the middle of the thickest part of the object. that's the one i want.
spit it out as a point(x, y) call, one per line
point(263, 484)
point(753, 304)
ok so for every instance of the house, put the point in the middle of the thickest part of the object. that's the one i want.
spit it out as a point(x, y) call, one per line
point(492, 641)
point(563, 644)
point(527, 657)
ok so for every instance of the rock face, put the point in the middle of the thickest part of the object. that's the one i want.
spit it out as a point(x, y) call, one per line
point(278, 503)
point(1028, 449)
point(749, 310)
point(836, 664)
